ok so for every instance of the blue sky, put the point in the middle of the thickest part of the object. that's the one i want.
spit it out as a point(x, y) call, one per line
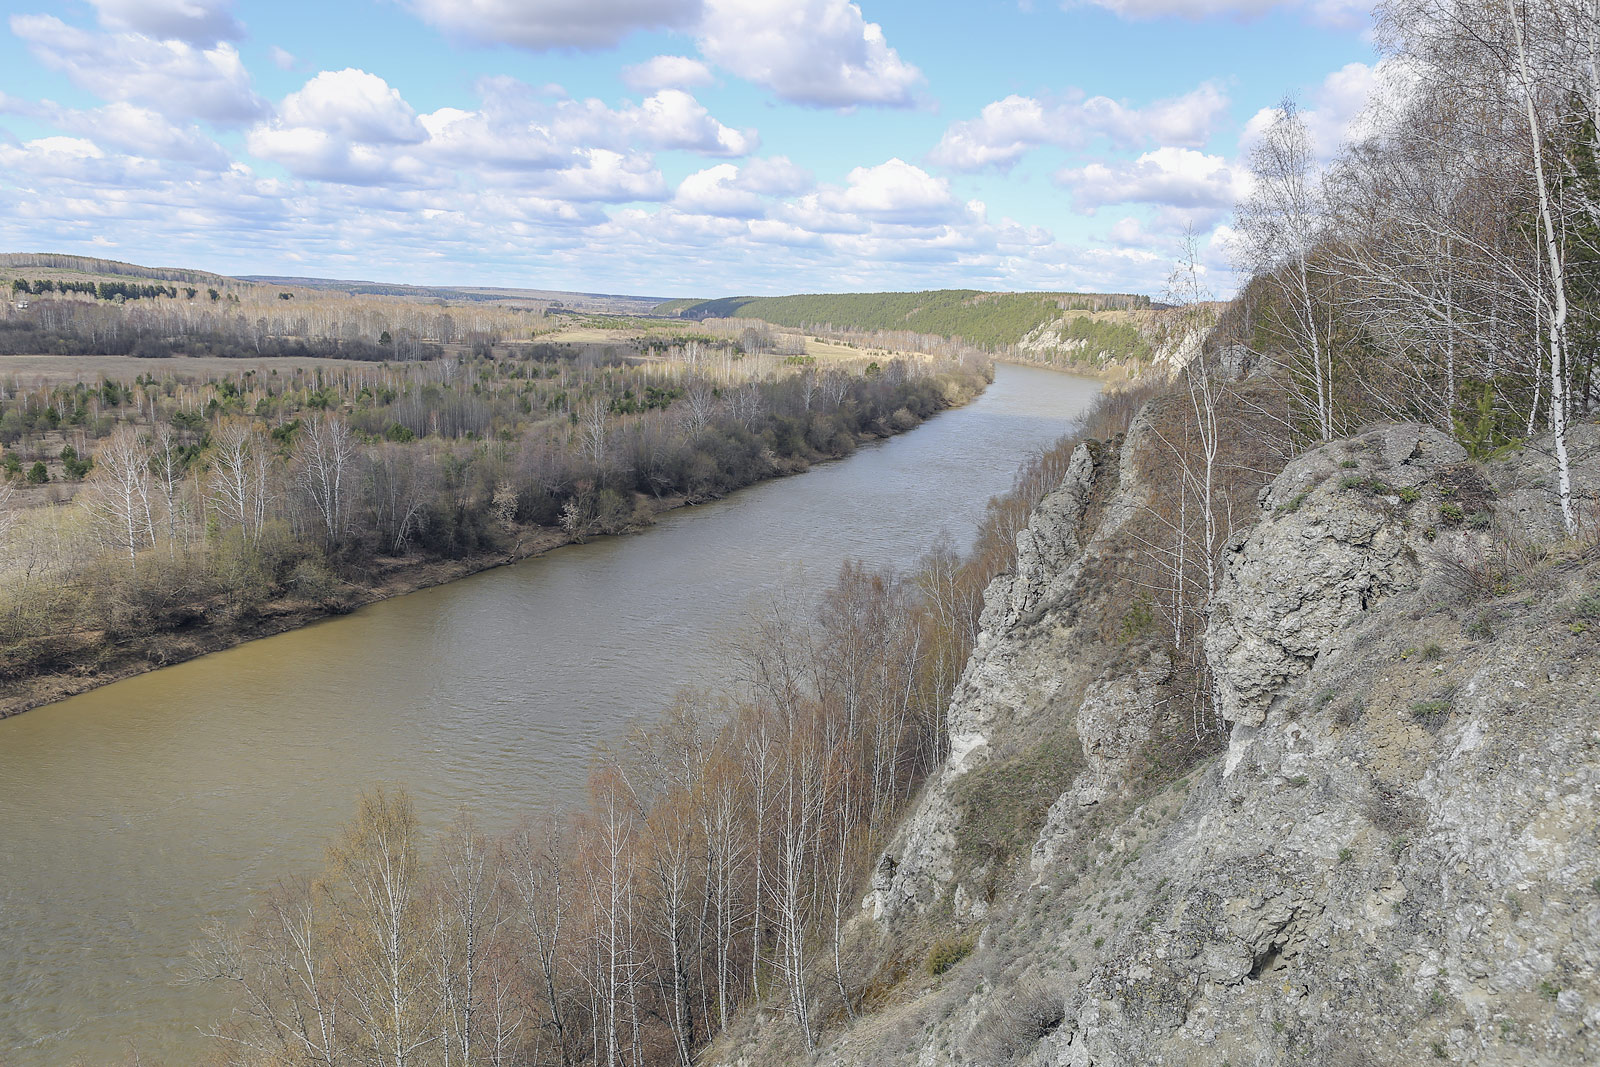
point(661, 147)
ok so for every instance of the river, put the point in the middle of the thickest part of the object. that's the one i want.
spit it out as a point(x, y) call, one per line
point(135, 813)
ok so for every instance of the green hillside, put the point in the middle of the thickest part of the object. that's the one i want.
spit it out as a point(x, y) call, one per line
point(990, 320)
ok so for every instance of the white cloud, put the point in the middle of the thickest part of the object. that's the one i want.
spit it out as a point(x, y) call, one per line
point(775, 176)
point(674, 119)
point(1001, 134)
point(1186, 121)
point(666, 72)
point(176, 78)
point(282, 58)
point(603, 176)
point(1343, 13)
point(198, 22)
point(1174, 177)
point(351, 126)
point(744, 192)
point(1337, 108)
point(547, 24)
point(354, 105)
point(821, 53)
point(715, 191)
point(139, 131)
point(895, 191)
point(1008, 129)
point(343, 126)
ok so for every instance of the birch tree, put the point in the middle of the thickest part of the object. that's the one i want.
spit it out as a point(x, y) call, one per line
point(324, 455)
point(1281, 223)
point(118, 494)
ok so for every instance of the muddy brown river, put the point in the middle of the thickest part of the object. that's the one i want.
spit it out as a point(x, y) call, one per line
point(131, 815)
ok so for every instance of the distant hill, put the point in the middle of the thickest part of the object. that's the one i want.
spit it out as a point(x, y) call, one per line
point(609, 303)
point(989, 320)
point(54, 266)
point(42, 263)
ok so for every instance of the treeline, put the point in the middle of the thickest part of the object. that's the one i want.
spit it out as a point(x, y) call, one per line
point(79, 331)
point(258, 325)
point(716, 862)
point(104, 290)
point(233, 495)
point(987, 320)
point(1446, 268)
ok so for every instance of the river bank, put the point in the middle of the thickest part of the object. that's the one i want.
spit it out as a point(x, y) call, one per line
point(78, 662)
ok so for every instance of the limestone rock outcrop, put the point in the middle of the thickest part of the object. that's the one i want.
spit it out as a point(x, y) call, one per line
point(1395, 861)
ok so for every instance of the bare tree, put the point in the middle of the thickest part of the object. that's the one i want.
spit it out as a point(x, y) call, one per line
point(1281, 223)
point(324, 453)
point(118, 494)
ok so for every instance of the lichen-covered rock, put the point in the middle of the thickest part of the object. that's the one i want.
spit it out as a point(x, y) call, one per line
point(1014, 670)
point(1337, 539)
point(1113, 721)
point(1526, 486)
point(1396, 862)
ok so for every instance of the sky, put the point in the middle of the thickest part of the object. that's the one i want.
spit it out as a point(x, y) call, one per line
point(660, 147)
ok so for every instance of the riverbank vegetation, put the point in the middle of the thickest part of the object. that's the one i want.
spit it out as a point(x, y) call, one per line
point(147, 520)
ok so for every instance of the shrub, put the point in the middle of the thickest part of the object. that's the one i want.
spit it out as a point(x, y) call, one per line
point(1431, 714)
point(946, 952)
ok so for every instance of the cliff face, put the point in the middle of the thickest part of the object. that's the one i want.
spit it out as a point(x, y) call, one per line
point(1396, 858)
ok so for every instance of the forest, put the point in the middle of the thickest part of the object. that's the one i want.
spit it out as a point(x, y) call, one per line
point(988, 320)
point(132, 512)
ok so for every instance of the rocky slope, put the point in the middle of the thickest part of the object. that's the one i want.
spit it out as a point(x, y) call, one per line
point(1395, 856)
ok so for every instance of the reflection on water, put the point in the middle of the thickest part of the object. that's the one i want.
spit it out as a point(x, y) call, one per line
point(134, 813)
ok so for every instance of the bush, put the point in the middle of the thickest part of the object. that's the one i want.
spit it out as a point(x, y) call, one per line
point(946, 952)
point(313, 581)
point(1431, 714)
point(1008, 1031)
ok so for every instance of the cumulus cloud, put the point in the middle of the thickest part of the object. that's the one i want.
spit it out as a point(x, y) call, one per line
point(351, 126)
point(139, 131)
point(1008, 129)
point(1328, 12)
point(895, 191)
point(1337, 108)
point(342, 126)
point(673, 119)
point(821, 53)
point(604, 176)
point(175, 77)
point(355, 105)
point(554, 23)
point(1174, 177)
point(198, 22)
point(666, 72)
point(744, 192)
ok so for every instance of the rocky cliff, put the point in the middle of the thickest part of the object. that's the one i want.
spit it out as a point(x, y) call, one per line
point(1392, 856)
